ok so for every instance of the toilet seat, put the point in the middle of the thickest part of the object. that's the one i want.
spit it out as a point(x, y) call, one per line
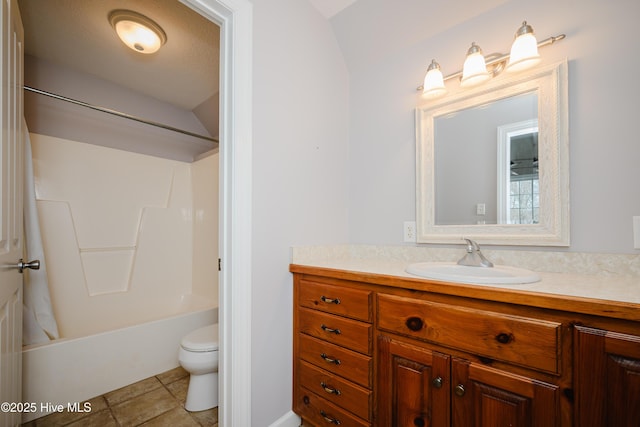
point(202, 339)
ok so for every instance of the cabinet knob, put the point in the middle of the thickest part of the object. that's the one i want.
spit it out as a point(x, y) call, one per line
point(459, 390)
point(437, 382)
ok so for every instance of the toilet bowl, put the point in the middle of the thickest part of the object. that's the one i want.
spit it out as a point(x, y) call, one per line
point(198, 355)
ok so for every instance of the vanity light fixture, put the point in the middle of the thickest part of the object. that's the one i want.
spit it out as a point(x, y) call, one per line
point(137, 31)
point(433, 81)
point(477, 69)
point(474, 71)
point(524, 50)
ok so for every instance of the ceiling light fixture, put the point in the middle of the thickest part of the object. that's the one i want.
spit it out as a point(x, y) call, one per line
point(477, 69)
point(137, 31)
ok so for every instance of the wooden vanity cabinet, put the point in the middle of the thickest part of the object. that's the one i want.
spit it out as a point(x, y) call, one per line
point(417, 353)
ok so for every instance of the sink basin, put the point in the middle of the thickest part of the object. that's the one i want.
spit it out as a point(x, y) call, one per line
point(452, 272)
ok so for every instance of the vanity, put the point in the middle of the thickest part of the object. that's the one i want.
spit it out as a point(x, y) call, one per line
point(376, 346)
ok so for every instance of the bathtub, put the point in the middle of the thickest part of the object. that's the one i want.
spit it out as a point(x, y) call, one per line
point(71, 370)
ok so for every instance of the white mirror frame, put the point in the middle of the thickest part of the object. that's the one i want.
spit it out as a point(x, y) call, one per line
point(551, 84)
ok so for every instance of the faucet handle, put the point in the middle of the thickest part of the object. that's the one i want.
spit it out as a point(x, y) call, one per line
point(471, 245)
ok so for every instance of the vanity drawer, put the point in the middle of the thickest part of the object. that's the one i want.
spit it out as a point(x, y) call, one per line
point(337, 360)
point(321, 412)
point(343, 393)
point(521, 340)
point(333, 299)
point(349, 333)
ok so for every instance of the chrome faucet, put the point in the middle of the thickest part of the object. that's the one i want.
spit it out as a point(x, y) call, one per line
point(474, 257)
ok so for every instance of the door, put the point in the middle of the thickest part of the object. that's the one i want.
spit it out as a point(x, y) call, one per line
point(11, 233)
point(606, 378)
point(487, 397)
point(413, 384)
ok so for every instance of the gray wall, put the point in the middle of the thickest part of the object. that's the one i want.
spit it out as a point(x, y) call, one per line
point(300, 179)
point(603, 92)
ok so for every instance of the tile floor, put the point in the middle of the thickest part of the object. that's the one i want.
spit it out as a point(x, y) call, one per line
point(154, 402)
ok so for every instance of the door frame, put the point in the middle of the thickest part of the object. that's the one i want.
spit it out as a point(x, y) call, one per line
point(235, 18)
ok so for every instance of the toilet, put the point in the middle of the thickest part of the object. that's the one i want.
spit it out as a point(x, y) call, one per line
point(198, 355)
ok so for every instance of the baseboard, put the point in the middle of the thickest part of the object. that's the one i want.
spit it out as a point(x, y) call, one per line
point(290, 419)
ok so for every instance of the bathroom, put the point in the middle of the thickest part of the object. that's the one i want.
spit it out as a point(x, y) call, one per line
point(128, 212)
point(339, 130)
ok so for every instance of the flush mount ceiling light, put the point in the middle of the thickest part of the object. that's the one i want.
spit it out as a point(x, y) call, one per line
point(477, 69)
point(137, 31)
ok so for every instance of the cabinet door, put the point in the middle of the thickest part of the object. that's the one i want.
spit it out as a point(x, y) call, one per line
point(606, 378)
point(413, 386)
point(487, 397)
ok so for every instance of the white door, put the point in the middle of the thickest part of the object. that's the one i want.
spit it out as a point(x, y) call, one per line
point(11, 189)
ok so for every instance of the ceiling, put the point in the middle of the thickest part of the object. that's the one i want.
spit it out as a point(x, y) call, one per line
point(329, 8)
point(76, 34)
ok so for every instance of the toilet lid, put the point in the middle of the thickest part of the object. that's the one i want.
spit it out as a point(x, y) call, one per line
point(202, 339)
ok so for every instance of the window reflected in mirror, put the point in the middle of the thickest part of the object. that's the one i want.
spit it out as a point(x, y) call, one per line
point(518, 173)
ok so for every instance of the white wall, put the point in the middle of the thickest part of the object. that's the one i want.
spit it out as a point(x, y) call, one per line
point(603, 93)
point(300, 180)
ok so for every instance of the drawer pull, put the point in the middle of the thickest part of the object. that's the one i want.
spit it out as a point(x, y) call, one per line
point(329, 359)
point(328, 419)
point(459, 390)
point(330, 330)
point(414, 323)
point(504, 338)
point(330, 300)
point(330, 390)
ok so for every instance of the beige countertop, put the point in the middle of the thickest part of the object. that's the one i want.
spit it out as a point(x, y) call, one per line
point(617, 288)
point(611, 295)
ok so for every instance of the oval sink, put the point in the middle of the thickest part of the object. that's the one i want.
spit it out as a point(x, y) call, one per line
point(452, 272)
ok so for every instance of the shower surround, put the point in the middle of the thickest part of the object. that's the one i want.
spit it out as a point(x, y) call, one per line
point(129, 240)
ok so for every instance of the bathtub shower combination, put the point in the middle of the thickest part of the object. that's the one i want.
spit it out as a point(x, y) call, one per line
point(131, 247)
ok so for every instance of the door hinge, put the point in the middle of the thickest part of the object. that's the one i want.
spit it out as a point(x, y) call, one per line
point(219, 264)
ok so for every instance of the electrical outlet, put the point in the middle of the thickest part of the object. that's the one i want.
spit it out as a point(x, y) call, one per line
point(480, 209)
point(409, 231)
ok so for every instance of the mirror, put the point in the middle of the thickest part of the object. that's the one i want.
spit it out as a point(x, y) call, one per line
point(492, 163)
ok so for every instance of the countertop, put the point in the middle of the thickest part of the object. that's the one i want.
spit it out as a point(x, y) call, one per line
point(615, 296)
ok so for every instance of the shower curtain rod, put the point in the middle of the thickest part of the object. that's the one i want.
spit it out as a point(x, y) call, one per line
point(118, 113)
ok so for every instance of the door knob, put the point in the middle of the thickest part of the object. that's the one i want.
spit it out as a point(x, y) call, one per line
point(33, 265)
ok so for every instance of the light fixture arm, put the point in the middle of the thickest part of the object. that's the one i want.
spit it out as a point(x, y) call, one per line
point(498, 63)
